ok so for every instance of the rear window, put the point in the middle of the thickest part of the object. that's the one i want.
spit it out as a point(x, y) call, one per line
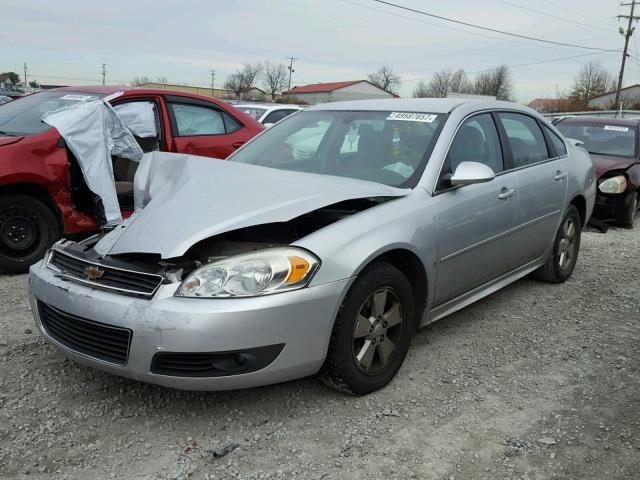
point(24, 115)
point(602, 139)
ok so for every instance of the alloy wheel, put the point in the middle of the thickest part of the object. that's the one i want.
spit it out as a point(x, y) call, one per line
point(567, 244)
point(377, 330)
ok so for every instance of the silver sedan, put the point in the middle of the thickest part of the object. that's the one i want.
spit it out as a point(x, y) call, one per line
point(320, 246)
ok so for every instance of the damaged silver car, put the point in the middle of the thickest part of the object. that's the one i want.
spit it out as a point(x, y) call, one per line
point(320, 246)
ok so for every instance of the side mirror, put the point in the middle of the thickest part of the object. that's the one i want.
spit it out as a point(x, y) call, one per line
point(268, 125)
point(468, 173)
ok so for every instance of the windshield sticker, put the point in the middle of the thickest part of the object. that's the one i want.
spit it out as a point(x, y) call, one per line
point(412, 117)
point(617, 129)
point(75, 97)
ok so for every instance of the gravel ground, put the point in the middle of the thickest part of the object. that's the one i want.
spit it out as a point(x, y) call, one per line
point(537, 381)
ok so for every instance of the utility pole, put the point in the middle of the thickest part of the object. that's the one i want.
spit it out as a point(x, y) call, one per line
point(25, 75)
point(627, 36)
point(213, 77)
point(104, 72)
point(291, 70)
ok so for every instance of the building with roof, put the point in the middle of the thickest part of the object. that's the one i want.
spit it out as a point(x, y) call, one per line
point(629, 96)
point(545, 105)
point(338, 91)
point(5, 82)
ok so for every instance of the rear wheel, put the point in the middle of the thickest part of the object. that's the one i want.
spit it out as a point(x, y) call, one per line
point(372, 332)
point(631, 209)
point(566, 246)
point(27, 229)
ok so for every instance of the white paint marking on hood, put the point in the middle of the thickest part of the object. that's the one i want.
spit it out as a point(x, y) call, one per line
point(182, 199)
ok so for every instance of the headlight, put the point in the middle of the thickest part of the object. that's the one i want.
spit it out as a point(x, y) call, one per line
point(272, 270)
point(614, 184)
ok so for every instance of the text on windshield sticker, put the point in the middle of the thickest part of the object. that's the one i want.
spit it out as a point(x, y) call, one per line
point(412, 117)
point(616, 128)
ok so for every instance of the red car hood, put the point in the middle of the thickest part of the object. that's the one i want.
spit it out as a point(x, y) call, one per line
point(605, 163)
point(9, 140)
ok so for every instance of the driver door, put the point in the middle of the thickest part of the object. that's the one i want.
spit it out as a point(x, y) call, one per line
point(474, 222)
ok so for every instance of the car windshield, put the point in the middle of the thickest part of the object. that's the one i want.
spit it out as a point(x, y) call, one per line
point(24, 115)
point(385, 147)
point(254, 112)
point(602, 139)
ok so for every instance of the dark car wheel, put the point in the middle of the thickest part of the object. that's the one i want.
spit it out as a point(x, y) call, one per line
point(630, 211)
point(372, 333)
point(27, 229)
point(566, 246)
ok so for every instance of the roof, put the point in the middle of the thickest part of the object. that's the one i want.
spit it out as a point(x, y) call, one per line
point(4, 76)
point(579, 119)
point(426, 105)
point(544, 102)
point(637, 85)
point(251, 89)
point(325, 87)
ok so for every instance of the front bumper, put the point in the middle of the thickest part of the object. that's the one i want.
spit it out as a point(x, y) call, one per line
point(301, 320)
point(610, 206)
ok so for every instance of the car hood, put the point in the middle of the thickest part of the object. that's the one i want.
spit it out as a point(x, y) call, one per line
point(606, 163)
point(9, 140)
point(182, 199)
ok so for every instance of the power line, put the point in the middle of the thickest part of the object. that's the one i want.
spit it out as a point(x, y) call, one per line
point(445, 27)
point(627, 36)
point(494, 30)
point(575, 12)
point(553, 16)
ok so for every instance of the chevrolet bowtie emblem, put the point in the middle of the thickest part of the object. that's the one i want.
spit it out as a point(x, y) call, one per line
point(93, 273)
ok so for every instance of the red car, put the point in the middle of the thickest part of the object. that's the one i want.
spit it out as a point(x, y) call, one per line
point(614, 145)
point(43, 194)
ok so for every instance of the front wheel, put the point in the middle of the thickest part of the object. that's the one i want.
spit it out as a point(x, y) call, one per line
point(566, 246)
point(27, 229)
point(372, 332)
point(631, 209)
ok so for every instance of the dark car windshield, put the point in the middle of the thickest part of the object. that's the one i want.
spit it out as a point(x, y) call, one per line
point(602, 139)
point(24, 115)
point(385, 147)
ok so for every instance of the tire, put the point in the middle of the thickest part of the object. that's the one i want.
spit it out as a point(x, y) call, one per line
point(630, 211)
point(359, 314)
point(558, 269)
point(27, 229)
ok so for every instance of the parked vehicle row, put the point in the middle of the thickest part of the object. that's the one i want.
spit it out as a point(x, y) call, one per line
point(43, 193)
point(268, 113)
point(320, 246)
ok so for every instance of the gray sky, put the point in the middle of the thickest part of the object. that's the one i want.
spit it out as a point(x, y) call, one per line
point(65, 42)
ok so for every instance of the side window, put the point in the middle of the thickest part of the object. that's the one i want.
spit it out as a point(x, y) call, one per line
point(231, 123)
point(476, 141)
point(525, 138)
point(277, 115)
point(557, 142)
point(197, 120)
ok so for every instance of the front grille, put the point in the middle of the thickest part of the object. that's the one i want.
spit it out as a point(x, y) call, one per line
point(93, 339)
point(127, 282)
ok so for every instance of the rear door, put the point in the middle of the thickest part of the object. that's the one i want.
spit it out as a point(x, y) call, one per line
point(538, 157)
point(202, 128)
point(474, 222)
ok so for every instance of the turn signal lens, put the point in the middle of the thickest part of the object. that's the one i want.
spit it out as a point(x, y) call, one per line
point(299, 268)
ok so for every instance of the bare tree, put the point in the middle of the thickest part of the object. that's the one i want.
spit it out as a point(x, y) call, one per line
point(139, 81)
point(163, 80)
point(496, 82)
point(386, 79)
point(443, 83)
point(234, 82)
point(274, 76)
point(592, 80)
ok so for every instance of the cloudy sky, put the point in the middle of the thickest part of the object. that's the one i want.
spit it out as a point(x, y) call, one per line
point(66, 41)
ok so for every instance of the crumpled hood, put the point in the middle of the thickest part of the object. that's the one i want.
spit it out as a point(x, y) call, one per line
point(182, 199)
point(605, 163)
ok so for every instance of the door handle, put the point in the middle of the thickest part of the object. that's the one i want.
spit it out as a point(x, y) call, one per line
point(238, 144)
point(506, 193)
point(560, 176)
